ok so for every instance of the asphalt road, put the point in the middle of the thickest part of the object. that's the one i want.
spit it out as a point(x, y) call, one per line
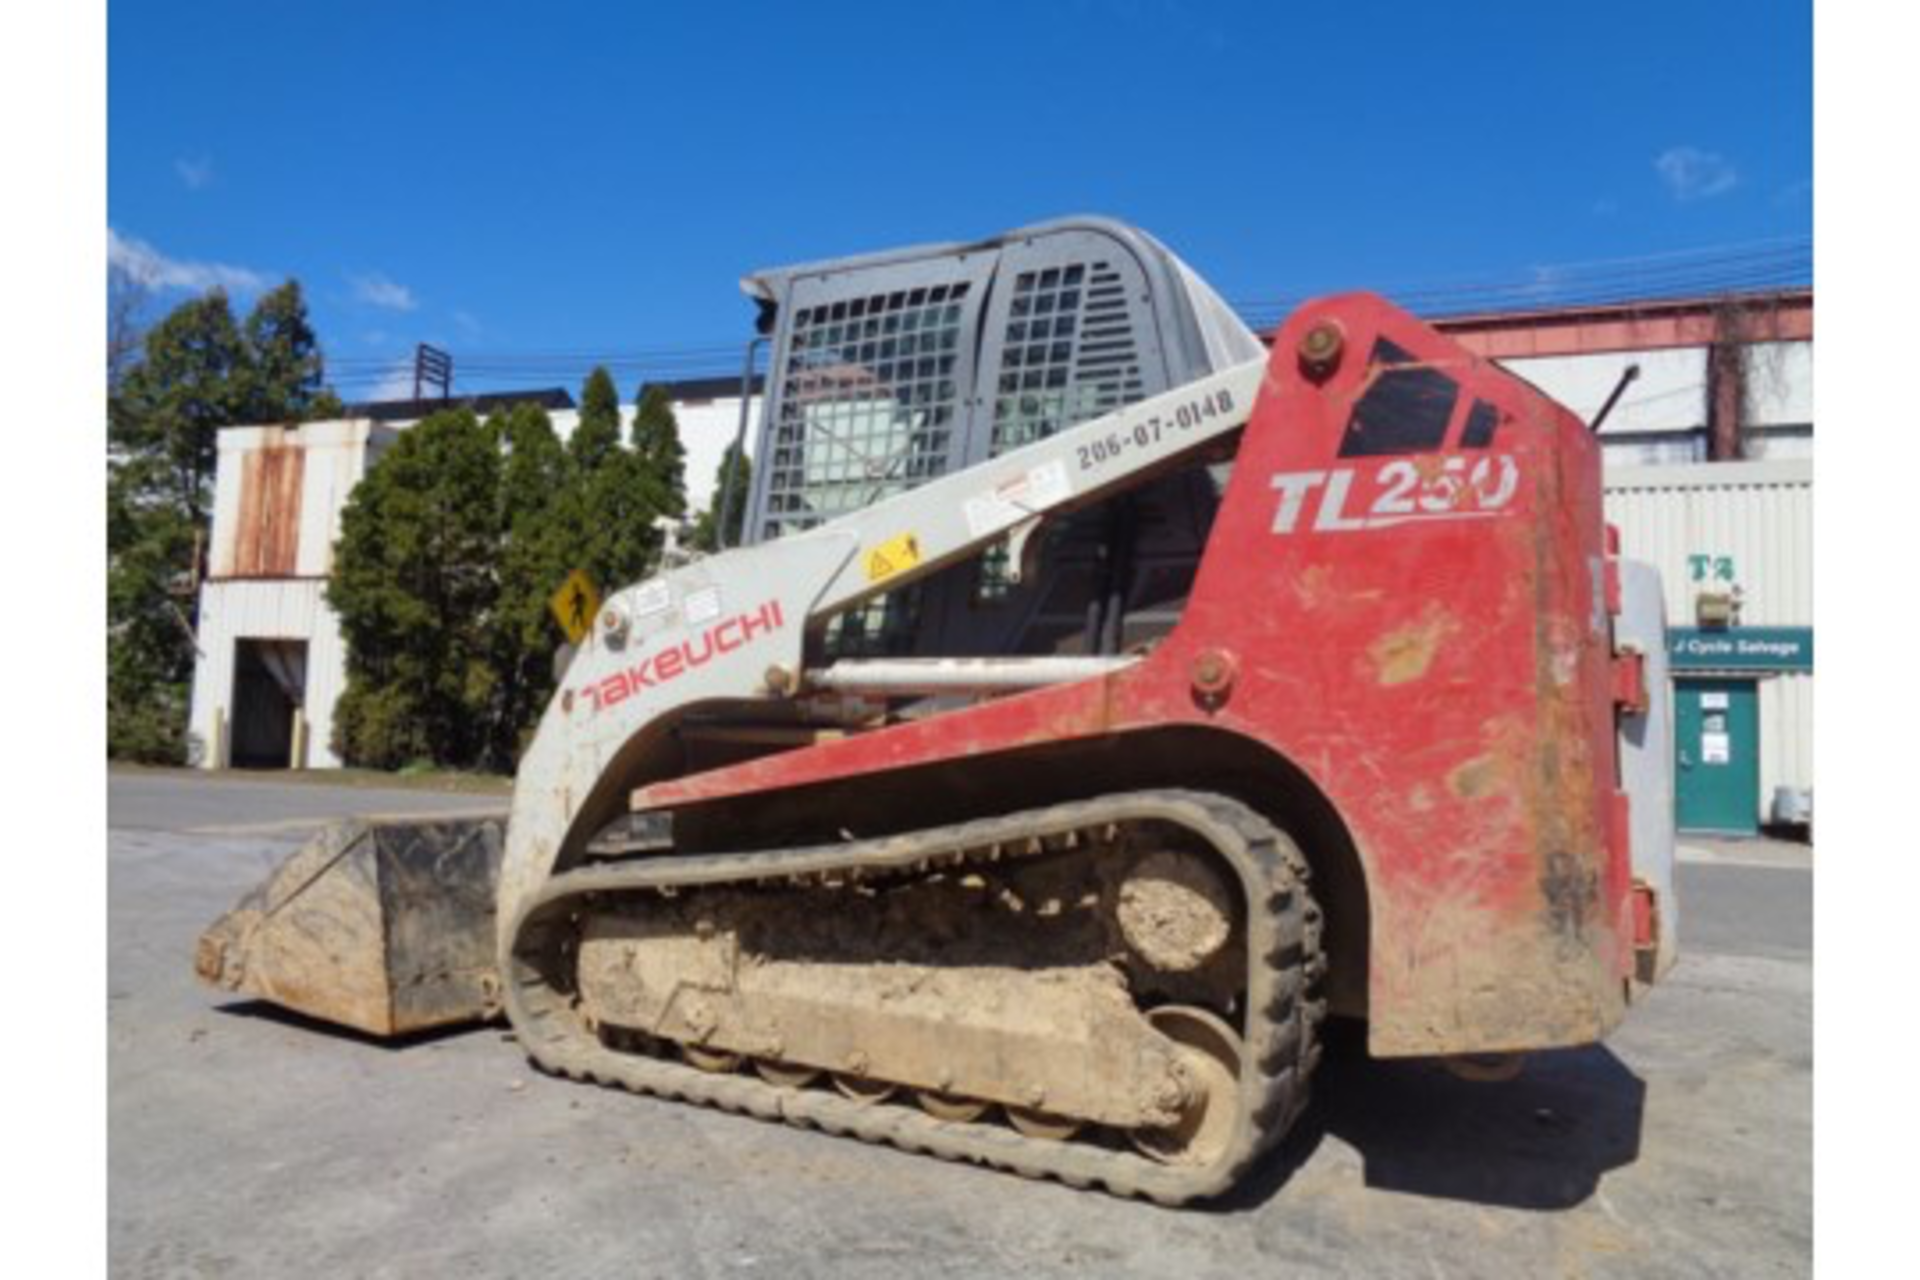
point(248, 1143)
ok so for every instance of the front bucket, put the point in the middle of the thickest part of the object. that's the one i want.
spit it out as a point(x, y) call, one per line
point(384, 925)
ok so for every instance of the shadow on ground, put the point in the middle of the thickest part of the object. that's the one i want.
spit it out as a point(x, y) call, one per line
point(262, 1011)
point(1540, 1141)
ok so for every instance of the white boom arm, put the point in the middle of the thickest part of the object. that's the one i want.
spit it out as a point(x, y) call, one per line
point(733, 626)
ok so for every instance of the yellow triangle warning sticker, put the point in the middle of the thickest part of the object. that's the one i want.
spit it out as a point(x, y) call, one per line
point(895, 555)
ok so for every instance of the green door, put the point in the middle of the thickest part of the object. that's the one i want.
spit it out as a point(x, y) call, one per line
point(1716, 744)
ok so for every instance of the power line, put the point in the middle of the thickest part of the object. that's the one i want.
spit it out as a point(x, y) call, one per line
point(1750, 266)
point(1755, 265)
point(1644, 266)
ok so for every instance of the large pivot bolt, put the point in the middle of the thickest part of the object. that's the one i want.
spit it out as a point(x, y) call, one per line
point(1321, 348)
point(1213, 673)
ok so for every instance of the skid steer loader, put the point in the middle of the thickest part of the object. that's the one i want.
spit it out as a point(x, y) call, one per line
point(1100, 702)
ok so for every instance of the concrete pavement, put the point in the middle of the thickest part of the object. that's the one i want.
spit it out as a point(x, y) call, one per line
point(245, 1142)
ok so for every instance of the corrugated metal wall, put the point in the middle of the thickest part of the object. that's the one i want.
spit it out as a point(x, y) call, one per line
point(272, 548)
point(1669, 395)
point(267, 534)
point(1780, 384)
point(1758, 516)
point(1758, 513)
point(1786, 734)
point(707, 427)
point(1779, 407)
point(259, 531)
point(289, 609)
point(1661, 417)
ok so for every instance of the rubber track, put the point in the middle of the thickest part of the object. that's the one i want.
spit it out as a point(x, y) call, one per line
point(1284, 960)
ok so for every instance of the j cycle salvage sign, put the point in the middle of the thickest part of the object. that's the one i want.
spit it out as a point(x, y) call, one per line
point(1741, 649)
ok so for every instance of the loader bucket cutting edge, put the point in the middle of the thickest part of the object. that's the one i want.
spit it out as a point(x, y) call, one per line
point(383, 925)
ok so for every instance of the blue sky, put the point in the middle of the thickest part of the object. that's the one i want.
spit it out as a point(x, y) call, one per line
point(510, 180)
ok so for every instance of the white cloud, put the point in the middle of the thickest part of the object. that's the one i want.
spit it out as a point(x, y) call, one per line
point(395, 385)
point(1693, 174)
point(195, 173)
point(376, 290)
point(157, 271)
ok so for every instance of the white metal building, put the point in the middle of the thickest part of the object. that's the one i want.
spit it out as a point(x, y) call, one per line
point(1709, 479)
point(708, 413)
point(1741, 531)
point(270, 664)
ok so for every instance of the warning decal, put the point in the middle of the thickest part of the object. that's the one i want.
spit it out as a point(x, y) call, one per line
point(895, 555)
point(1015, 499)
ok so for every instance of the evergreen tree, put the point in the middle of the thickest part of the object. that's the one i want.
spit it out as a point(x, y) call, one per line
point(127, 299)
point(540, 541)
point(149, 629)
point(706, 529)
point(619, 545)
point(612, 498)
point(196, 371)
point(161, 430)
point(283, 359)
point(416, 584)
point(447, 561)
point(656, 439)
point(191, 380)
point(597, 437)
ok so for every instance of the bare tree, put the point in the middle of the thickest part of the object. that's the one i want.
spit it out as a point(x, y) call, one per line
point(127, 298)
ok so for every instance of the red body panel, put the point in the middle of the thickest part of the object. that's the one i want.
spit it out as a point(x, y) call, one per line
point(1404, 595)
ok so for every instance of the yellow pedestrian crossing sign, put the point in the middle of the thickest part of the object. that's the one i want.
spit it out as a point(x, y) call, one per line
point(575, 604)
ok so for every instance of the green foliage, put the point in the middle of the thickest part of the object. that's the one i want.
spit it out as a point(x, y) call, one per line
point(149, 647)
point(656, 440)
point(540, 535)
point(619, 544)
point(597, 438)
point(616, 493)
point(449, 548)
point(379, 725)
point(447, 561)
point(283, 360)
point(198, 370)
point(127, 299)
point(416, 584)
point(192, 379)
point(706, 528)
